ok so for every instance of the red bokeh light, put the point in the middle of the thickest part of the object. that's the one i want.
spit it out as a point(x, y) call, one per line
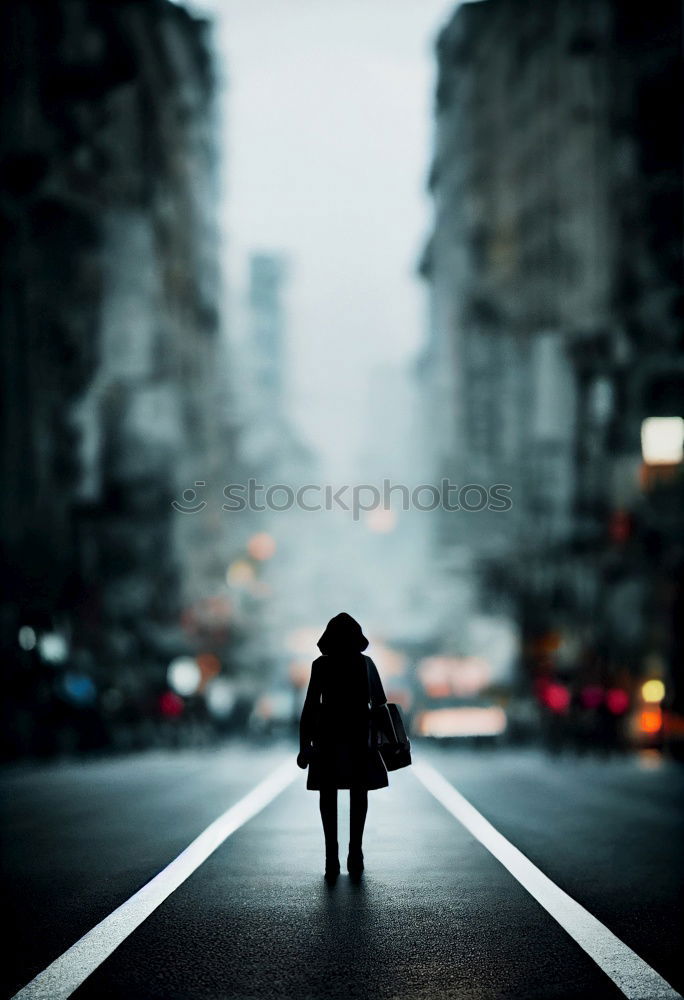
point(556, 697)
point(617, 701)
point(171, 705)
point(591, 696)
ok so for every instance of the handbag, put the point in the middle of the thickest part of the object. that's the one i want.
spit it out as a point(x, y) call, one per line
point(387, 731)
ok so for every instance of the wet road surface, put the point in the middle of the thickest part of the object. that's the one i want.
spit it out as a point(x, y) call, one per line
point(435, 914)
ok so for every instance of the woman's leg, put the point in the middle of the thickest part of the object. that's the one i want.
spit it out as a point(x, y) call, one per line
point(358, 807)
point(328, 804)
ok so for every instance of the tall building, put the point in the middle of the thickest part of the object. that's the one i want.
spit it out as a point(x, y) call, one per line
point(112, 341)
point(269, 442)
point(267, 279)
point(554, 271)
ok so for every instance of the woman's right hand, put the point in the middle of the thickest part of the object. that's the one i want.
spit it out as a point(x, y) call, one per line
point(303, 759)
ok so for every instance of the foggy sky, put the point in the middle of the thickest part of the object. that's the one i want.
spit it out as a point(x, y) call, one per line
point(327, 127)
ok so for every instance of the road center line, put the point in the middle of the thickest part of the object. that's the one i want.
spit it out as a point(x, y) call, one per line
point(66, 973)
point(631, 974)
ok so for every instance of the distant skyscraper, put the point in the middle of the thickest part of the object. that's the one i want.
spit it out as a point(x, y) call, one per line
point(267, 275)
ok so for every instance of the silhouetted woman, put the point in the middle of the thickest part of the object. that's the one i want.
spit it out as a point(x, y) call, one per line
point(335, 735)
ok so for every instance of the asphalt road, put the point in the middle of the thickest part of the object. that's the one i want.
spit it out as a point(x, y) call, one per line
point(435, 914)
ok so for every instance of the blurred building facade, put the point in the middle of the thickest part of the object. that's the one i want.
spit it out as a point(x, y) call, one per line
point(113, 355)
point(267, 282)
point(554, 271)
point(278, 461)
point(269, 440)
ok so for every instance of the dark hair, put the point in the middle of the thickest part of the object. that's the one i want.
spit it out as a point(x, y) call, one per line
point(342, 633)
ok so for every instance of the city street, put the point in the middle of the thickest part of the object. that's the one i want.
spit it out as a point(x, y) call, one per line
point(342, 328)
point(435, 914)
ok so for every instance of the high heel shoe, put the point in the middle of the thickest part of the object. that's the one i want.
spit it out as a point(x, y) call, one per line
point(355, 861)
point(332, 868)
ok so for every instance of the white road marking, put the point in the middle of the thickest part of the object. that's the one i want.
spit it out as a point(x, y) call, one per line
point(631, 974)
point(66, 973)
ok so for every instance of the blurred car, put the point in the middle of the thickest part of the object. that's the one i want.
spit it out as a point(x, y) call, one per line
point(275, 712)
point(476, 719)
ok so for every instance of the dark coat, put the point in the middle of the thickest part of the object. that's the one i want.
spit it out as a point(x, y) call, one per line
point(335, 726)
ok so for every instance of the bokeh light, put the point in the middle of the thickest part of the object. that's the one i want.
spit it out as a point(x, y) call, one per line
point(171, 705)
point(78, 688)
point(184, 676)
point(240, 573)
point(653, 691)
point(617, 701)
point(220, 697)
point(381, 520)
point(557, 698)
point(27, 638)
point(650, 720)
point(662, 440)
point(261, 546)
point(591, 696)
point(53, 648)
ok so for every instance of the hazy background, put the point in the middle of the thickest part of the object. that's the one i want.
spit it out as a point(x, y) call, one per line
point(216, 216)
point(326, 129)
